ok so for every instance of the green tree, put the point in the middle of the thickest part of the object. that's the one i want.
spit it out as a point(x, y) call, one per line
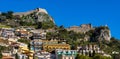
point(78, 56)
point(116, 56)
point(82, 57)
point(16, 56)
point(24, 41)
point(93, 54)
point(29, 46)
point(61, 27)
point(47, 24)
point(101, 57)
point(39, 25)
point(9, 14)
point(0, 55)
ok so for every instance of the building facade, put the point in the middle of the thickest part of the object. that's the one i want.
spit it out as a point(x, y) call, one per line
point(65, 54)
point(52, 47)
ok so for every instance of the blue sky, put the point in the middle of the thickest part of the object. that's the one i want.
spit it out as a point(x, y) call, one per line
point(73, 12)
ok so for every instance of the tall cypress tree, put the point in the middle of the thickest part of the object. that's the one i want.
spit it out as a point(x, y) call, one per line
point(16, 56)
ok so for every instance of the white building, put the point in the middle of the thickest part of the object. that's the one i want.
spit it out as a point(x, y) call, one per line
point(65, 54)
point(43, 55)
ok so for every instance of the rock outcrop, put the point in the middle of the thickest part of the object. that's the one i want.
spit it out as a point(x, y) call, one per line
point(104, 34)
point(100, 34)
point(81, 29)
point(93, 34)
point(38, 15)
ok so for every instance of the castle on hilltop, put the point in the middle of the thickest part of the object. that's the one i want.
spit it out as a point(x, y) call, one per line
point(29, 12)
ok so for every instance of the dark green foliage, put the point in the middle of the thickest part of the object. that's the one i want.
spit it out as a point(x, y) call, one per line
point(39, 26)
point(97, 56)
point(47, 25)
point(9, 14)
point(82, 57)
point(2, 18)
point(61, 27)
point(93, 54)
point(78, 56)
point(29, 46)
point(16, 56)
point(3, 48)
point(22, 23)
point(114, 44)
point(24, 41)
point(0, 55)
point(101, 57)
point(116, 56)
point(90, 32)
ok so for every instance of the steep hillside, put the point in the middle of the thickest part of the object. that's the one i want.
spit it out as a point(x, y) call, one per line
point(34, 18)
point(38, 15)
point(86, 34)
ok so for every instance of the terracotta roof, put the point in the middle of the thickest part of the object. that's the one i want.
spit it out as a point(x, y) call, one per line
point(26, 32)
point(7, 57)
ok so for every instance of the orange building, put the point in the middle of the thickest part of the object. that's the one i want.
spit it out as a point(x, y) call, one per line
point(6, 57)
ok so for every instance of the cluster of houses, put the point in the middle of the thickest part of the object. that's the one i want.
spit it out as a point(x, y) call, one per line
point(40, 47)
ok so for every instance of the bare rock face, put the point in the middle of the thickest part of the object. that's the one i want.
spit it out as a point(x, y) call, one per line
point(80, 29)
point(105, 35)
point(41, 10)
point(86, 38)
point(85, 27)
point(101, 34)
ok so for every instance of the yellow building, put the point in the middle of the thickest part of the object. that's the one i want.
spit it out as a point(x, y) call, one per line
point(51, 47)
point(24, 50)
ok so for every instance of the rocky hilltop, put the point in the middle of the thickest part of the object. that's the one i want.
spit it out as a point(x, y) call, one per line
point(32, 11)
point(39, 14)
point(34, 17)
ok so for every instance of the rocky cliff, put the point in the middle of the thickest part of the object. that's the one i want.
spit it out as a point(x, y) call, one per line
point(94, 34)
point(101, 33)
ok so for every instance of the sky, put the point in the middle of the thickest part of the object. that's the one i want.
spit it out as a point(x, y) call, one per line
point(73, 12)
